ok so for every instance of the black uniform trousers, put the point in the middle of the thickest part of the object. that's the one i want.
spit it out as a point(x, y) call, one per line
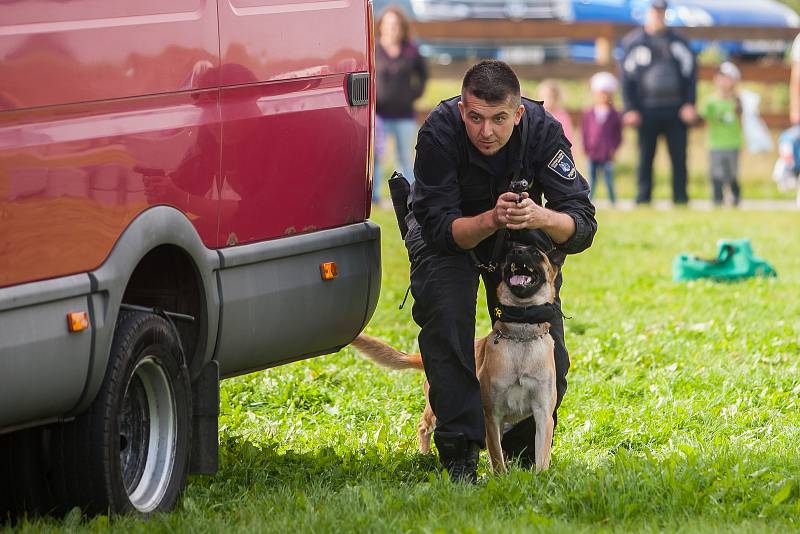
point(655, 122)
point(445, 291)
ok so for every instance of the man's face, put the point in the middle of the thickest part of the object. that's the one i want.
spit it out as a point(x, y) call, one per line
point(656, 19)
point(489, 126)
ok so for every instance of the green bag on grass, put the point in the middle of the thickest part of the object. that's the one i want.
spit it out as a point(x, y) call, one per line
point(735, 260)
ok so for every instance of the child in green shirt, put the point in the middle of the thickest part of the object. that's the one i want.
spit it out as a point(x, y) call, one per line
point(722, 114)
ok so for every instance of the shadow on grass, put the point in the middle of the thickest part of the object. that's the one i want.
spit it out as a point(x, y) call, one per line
point(725, 484)
point(239, 459)
point(370, 489)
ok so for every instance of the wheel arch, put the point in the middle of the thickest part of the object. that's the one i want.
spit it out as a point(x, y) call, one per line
point(135, 273)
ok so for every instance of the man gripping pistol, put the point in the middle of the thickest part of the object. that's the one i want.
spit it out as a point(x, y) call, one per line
point(468, 151)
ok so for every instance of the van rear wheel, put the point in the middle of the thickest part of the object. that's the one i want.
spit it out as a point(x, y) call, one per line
point(129, 452)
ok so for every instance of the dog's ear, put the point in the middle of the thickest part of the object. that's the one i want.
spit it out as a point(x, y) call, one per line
point(556, 257)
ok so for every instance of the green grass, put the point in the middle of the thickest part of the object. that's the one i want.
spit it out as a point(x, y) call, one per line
point(681, 414)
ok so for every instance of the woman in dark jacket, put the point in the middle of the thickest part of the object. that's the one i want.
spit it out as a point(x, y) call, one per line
point(401, 77)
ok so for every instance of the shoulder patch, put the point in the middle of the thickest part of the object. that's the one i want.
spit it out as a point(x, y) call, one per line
point(562, 165)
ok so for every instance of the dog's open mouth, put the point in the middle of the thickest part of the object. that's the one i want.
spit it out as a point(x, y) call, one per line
point(522, 272)
point(521, 276)
point(520, 280)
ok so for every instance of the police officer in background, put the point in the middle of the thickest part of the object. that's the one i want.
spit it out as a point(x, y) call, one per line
point(658, 88)
point(468, 149)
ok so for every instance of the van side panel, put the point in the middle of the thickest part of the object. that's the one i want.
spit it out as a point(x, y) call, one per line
point(42, 365)
point(54, 52)
point(294, 152)
point(74, 173)
point(293, 159)
point(277, 307)
point(72, 178)
point(284, 39)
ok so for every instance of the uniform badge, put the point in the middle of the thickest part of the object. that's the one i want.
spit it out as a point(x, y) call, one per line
point(563, 166)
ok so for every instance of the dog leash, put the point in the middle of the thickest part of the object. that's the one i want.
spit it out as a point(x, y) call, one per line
point(405, 298)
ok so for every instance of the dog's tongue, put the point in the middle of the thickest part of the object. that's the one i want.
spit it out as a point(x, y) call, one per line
point(519, 280)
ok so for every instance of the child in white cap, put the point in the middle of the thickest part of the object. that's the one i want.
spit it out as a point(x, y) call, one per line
point(601, 128)
point(722, 113)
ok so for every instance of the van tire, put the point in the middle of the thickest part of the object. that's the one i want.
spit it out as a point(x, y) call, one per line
point(103, 461)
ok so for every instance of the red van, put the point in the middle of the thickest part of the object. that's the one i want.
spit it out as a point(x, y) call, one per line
point(184, 194)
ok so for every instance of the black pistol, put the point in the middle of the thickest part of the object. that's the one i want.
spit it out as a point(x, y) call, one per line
point(518, 187)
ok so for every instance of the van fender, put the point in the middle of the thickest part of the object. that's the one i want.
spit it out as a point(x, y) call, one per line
point(154, 227)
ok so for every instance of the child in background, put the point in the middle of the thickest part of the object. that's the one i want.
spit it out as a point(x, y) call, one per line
point(550, 94)
point(602, 131)
point(787, 169)
point(722, 114)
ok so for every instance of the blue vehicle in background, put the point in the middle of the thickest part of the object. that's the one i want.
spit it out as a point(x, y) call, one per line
point(681, 13)
point(695, 13)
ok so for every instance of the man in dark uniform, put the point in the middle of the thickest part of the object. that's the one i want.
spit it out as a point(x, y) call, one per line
point(467, 151)
point(658, 89)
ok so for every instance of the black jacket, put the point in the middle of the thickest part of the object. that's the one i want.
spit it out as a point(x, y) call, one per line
point(453, 179)
point(642, 56)
point(400, 81)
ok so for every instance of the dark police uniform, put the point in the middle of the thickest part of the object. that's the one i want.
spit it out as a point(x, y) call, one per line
point(658, 77)
point(453, 180)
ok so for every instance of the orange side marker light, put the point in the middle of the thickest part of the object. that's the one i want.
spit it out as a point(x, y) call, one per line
point(328, 270)
point(77, 321)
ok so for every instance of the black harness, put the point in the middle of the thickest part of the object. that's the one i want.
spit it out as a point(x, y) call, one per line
point(536, 314)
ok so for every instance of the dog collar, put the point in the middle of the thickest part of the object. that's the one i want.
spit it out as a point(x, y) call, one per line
point(498, 334)
point(539, 313)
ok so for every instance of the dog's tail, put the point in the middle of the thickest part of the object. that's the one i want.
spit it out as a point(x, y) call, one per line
point(382, 354)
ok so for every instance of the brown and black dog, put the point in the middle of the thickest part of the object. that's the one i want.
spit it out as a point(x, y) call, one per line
point(515, 363)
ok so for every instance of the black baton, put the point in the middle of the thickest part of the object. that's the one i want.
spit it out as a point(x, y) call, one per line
point(399, 188)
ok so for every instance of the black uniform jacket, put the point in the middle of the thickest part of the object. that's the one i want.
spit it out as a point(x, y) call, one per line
point(453, 179)
point(641, 55)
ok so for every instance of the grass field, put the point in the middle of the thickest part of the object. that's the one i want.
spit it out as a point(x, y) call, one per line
point(681, 414)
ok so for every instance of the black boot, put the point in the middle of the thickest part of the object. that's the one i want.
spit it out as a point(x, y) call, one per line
point(458, 455)
point(518, 441)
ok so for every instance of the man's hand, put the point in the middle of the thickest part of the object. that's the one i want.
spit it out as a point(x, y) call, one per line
point(507, 213)
point(527, 215)
point(469, 231)
point(688, 114)
point(632, 118)
point(505, 203)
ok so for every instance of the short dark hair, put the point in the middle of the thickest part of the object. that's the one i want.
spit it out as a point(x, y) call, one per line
point(491, 80)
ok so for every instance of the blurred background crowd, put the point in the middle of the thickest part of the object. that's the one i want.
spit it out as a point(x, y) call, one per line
point(665, 101)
